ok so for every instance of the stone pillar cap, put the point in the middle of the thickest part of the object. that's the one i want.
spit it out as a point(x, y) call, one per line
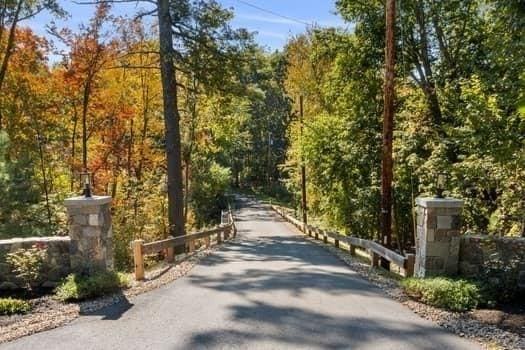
point(82, 201)
point(431, 202)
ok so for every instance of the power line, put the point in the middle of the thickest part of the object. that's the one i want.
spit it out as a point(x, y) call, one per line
point(273, 13)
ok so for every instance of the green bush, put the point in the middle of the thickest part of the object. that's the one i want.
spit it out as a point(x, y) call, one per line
point(76, 287)
point(499, 281)
point(9, 306)
point(451, 294)
point(28, 265)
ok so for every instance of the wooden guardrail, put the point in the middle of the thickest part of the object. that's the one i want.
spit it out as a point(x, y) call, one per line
point(375, 249)
point(140, 248)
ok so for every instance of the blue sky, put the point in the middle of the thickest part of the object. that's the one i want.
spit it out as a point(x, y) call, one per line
point(273, 30)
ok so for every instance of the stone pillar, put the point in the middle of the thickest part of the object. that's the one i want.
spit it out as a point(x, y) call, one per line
point(438, 236)
point(90, 230)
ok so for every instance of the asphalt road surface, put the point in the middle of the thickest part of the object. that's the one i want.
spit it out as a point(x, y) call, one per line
point(269, 289)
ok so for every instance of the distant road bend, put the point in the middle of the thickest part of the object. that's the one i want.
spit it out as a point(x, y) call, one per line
point(269, 289)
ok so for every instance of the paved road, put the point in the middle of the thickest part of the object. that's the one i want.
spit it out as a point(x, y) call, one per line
point(268, 290)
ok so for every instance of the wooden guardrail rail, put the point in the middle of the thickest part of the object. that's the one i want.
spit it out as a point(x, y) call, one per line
point(375, 249)
point(140, 248)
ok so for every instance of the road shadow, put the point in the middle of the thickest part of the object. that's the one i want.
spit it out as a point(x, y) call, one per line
point(111, 312)
point(308, 329)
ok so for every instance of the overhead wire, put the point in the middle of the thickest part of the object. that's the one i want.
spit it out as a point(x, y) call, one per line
point(273, 13)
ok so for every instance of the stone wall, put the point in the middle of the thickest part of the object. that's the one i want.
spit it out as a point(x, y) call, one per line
point(88, 249)
point(476, 251)
point(56, 266)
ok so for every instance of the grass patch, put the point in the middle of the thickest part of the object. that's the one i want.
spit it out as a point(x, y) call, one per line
point(446, 293)
point(75, 287)
point(10, 306)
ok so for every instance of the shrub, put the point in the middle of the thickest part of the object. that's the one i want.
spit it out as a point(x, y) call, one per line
point(499, 281)
point(28, 264)
point(455, 295)
point(76, 287)
point(9, 306)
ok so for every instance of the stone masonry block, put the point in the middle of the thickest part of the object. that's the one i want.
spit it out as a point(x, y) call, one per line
point(444, 222)
point(91, 231)
point(431, 222)
point(435, 263)
point(80, 219)
point(430, 235)
point(94, 220)
point(456, 222)
point(438, 249)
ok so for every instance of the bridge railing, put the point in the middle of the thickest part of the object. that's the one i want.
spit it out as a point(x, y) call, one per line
point(222, 233)
point(376, 250)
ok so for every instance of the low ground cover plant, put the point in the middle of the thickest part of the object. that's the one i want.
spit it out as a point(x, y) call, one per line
point(76, 287)
point(10, 306)
point(446, 293)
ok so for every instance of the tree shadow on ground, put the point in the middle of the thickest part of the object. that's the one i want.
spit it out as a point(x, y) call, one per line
point(294, 327)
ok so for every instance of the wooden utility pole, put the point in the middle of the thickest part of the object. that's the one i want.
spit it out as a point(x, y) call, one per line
point(304, 205)
point(388, 126)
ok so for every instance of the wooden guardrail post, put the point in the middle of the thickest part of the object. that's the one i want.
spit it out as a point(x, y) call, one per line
point(352, 249)
point(170, 254)
point(232, 222)
point(138, 259)
point(336, 243)
point(191, 246)
point(219, 238)
point(374, 258)
point(316, 233)
point(325, 237)
point(409, 265)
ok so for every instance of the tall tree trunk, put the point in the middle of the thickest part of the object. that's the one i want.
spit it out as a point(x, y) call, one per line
point(85, 105)
point(44, 175)
point(73, 147)
point(171, 121)
point(430, 87)
point(304, 202)
point(186, 186)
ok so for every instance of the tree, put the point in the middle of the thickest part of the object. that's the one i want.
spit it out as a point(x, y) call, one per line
point(11, 14)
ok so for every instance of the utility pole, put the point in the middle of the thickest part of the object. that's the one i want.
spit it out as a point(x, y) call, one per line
point(388, 127)
point(304, 205)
